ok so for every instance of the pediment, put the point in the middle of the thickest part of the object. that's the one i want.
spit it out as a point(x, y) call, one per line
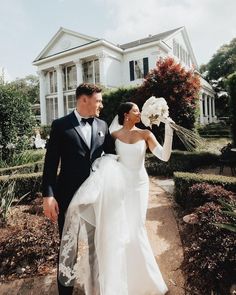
point(64, 40)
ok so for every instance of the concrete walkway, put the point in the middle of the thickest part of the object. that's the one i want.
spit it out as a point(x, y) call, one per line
point(164, 238)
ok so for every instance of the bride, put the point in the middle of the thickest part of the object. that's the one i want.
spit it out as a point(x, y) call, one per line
point(118, 259)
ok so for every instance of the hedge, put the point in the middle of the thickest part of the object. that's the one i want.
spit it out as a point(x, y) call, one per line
point(25, 183)
point(23, 169)
point(180, 161)
point(184, 180)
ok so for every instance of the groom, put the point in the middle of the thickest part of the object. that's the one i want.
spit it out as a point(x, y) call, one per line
point(76, 140)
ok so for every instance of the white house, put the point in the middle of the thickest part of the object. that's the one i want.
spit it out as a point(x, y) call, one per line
point(71, 58)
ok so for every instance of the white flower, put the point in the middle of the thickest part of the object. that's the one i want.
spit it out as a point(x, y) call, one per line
point(153, 109)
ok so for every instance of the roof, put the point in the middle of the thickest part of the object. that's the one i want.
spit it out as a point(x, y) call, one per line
point(151, 38)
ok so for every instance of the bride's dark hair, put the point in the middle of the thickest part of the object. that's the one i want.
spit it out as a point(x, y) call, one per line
point(123, 109)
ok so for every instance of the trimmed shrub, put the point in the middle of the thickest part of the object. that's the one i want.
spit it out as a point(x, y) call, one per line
point(112, 100)
point(210, 257)
point(24, 183)
point(184, 180)
point(179, 161)
point(23, 169)
point(200, 193)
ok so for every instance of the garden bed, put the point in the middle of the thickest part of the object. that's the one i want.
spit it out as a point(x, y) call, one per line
point(28, 243)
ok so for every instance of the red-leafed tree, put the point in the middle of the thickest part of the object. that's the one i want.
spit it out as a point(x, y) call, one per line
point(180, 88)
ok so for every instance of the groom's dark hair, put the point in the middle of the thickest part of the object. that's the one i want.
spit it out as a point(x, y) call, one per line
point(87, 89)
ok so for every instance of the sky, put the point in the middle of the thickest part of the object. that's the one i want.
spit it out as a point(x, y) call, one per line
point(26, 26)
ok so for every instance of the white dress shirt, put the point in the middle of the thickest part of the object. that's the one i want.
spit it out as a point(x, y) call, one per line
point(86, 128)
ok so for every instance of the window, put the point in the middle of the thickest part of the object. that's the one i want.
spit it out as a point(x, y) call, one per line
point(52, 109)
point(181, 53)
point(138, 68)
point(52, 82)
point(91, 72)
point(70, 78)
point(69, 103)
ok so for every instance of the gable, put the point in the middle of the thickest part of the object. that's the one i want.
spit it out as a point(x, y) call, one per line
point(181, 40)
point(64, 40)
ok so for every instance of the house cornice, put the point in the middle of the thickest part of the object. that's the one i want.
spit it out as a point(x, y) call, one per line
point(77, 49)
point(147, 45)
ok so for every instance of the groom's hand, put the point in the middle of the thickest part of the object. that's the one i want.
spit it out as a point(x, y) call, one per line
point(50, 208)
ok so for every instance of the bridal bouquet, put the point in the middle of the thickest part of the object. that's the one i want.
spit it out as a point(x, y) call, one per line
point(156, 110)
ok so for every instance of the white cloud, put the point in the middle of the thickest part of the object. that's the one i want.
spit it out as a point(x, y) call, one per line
point(209, 23)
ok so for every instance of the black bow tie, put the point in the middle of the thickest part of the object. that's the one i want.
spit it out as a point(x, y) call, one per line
point(87, 120)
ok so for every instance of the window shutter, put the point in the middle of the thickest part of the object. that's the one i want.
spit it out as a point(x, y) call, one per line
point(131, 70)
point(145, 66)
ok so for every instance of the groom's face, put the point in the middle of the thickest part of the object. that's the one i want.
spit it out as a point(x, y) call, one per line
point(94, 104)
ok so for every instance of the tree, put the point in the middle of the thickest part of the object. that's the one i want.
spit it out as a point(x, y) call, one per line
point(231, 83)
point(180, 88)
point(28, 86)
point(16, 121)
point(216, 71)
point(223, 62)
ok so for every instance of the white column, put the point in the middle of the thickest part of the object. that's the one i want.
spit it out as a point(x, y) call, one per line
point(201, 108)
point(42, 92)
point(213, 107)
point(60, 101)
point(79, 71)
point(210, 109)
point(102, 70)
point(206, 108)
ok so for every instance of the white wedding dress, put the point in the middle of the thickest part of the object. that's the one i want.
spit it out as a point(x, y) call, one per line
point(113, 200)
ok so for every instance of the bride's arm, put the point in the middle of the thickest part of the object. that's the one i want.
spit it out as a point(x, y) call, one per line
point(161, 152)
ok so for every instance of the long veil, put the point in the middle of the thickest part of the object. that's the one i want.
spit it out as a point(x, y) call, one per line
point(115, 125)
point(96, 231)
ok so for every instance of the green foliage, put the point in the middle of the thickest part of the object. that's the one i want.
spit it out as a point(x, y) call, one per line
point(184, 180)
point(231, 82)
point(223, 62)
point(23, 169)
point(179, 161)
point(25, 184)
point(230, 210)
point(16, 124)
point(221, 65)
point(215, 130)
point(112, 100)
point(7, 194)
point(27, 87)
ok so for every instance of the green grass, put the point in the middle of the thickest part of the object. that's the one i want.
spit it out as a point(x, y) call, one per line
point(214, 145)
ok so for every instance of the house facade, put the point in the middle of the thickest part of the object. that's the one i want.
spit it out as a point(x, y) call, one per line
point(71, 58)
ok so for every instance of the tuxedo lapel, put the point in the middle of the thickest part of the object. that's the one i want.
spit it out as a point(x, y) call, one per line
point(94, 136)
point(76, 125)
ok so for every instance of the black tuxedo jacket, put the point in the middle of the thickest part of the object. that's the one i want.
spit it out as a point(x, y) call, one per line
point(67, 145)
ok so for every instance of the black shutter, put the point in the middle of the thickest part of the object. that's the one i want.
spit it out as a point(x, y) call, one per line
point(145, 66)
point(131, 70)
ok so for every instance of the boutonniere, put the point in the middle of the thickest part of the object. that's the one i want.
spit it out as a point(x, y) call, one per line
point(101, 134)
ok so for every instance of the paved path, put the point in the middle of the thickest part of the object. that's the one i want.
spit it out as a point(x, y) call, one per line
point(164, 238)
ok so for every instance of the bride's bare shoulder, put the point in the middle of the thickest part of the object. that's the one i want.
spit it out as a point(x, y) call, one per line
point(115, 134)
point(145, 133)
